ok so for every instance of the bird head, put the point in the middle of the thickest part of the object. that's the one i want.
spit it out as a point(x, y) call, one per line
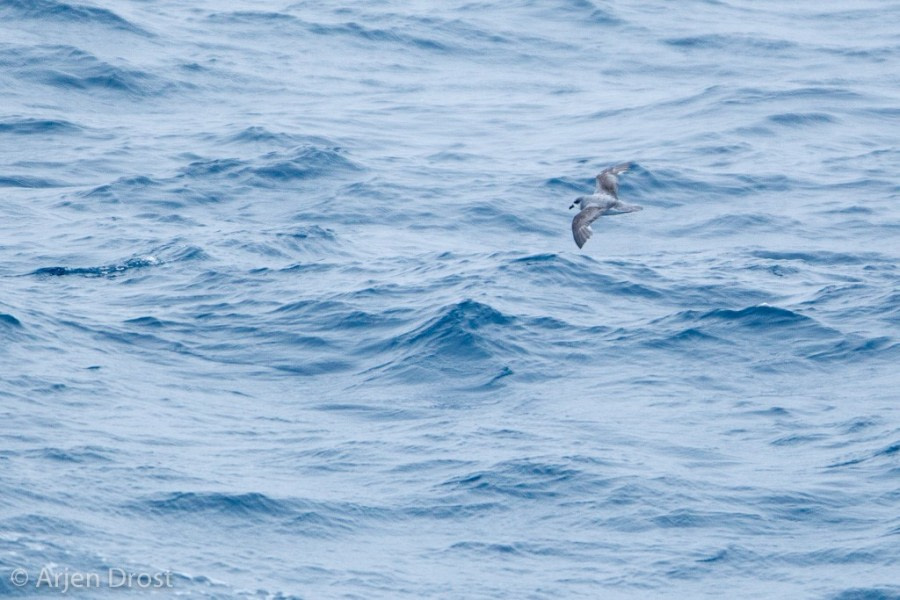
point(576, 202)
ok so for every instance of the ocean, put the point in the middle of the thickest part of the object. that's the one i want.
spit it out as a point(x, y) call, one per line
point(290, 305)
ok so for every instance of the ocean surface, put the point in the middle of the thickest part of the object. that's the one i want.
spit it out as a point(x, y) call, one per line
point(290, 305)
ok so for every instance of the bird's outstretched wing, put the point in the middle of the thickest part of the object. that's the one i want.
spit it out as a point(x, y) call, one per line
point(581, 224)
point(607, 180)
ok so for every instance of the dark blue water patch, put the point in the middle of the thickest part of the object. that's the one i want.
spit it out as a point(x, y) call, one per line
point(302, 163)
point(758, 317)
point(462, 331)
point(24, 181)
point(754, 95)
point(736, 43)
point(853, 210)
point(237, 505)
point(427, 465)
point(887, 112)
point(822, 257)
point(600, 16)
point(380, 36)
point(778, 270)
point(486, 548)
point(304, 238)
point(724, 333)
point(325, 315)
point(861, 424)
point(311, 368)
point(312, 240)
point(581, 271)
point(523, 479)
point(566, 184)
point(870, 55)
point(166, 351)
point(856, 348)
point(667, 188)
point(147, 321)
point(252, 16)
point(257, 134)
point(317, 524)
point(33, 126)
point(801, 119)
point(686, 519)
point(365, 412)
point(41, 525)
point(497, 378)
point(8, 321)
point(164, 254)
point(110, 271)
point(453, 511)
point(199, 183)
point(872, 593)
point(794, 507)
point(72, 14)
point(11, 328)
point(256, 510)
point(122, 188)
point(399, 36)
point(83, 454)
point(213, 167)
point(690, 338)
point(465, 344)
point(71, 69)
point(888, 452)
point(798, 440)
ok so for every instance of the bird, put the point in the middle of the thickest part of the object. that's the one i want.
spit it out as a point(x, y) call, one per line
point(604, 201)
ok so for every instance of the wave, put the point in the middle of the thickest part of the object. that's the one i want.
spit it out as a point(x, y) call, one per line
point(241, 505)
point(868, 593)
point(24, 181)
point(113, 270)
point(269, 19)
point(581, 271)
point(302, 163)
point(168, 253)
point(72, 69)
point(82, 454)
point(759, 317)
point(201, 181)
point(792, 330)
point(54, 10)
point(822, 257)
point(458, 331)
point(739, 43)
point(464, 342)
point(801, 119)
point(523, 479)
point(31, 126)
point(294, 516)
point(7, 320)
point(791, 334)
point(256, 134)
point(855, 348)
point(11, 328)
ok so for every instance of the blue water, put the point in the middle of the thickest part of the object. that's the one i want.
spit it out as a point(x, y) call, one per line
point(290, 305)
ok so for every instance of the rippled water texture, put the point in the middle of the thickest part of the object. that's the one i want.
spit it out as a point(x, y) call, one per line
point(290, 305)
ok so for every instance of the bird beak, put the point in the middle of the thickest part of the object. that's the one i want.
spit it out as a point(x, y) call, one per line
point(571, 207)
